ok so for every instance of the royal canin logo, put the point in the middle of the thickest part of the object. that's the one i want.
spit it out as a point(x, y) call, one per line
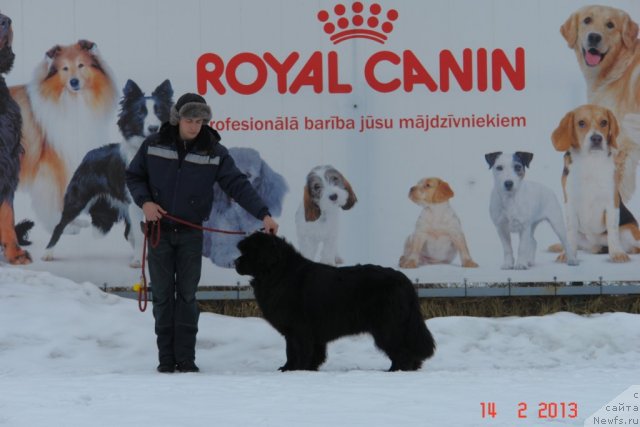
point(478, 69)
point(341, 28)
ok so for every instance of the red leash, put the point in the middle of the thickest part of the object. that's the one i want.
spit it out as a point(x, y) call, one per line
point(152, 229)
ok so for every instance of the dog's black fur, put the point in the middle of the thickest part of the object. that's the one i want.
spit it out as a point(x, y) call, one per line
point(10, 149)
point(312, 304)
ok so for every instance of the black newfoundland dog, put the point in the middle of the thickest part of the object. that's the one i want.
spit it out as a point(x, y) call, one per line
point(312, 304)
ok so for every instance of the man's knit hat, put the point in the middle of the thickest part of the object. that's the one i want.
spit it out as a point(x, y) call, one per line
point(190, 106)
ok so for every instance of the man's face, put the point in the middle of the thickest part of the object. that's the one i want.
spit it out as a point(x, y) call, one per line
point(189, 128)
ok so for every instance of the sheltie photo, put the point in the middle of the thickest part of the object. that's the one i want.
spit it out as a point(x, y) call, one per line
point(66, 109)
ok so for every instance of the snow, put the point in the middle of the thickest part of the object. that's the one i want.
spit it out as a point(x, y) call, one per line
point(72, 355)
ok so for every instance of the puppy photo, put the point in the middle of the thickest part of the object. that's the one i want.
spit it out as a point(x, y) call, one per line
point(438, 235)
point(226, 214)
point(518, 206)
point(312, 304)
point(97, 186)
point(66, 111)
point(11, 236)
point(326, 192)
point(597, 219)
point(605, 41)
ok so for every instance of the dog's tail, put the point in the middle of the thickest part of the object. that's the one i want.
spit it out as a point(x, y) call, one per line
point(417, 337)
point(22, 232)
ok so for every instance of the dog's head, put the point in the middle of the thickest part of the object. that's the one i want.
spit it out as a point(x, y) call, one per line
point(262, 254)
point(141, 115)
point(599, 35)
point(6, 39)
point(587, 129)
point(508, 169)
point(429, 191)
point(76, 69)
point(326, 189)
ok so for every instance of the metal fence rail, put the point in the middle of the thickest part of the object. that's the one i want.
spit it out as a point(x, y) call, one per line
point(246, 293)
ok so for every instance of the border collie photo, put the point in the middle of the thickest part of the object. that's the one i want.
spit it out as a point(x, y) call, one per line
point(98, 185)
point(312, 304)
point(226, 214)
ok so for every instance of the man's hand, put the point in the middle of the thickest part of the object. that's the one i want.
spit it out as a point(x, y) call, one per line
point(270, 225)
point(153, 211)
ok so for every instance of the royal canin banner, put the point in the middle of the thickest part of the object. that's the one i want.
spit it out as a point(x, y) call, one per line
point(443, 138)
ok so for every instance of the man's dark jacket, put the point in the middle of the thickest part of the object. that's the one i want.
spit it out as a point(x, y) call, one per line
point(179, 177)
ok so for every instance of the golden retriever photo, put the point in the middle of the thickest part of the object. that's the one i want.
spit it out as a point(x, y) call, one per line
point(605, 41)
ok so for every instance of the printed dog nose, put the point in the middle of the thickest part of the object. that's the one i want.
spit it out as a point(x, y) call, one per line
point(75, 83)
point(153, 128)
point(594, 39)
point(596, 139)
point(333, 197)
point(508, 185)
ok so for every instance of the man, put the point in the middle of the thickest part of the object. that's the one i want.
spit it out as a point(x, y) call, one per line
point(174, 172)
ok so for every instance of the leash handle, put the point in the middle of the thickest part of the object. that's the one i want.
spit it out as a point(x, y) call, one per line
point(152, 231)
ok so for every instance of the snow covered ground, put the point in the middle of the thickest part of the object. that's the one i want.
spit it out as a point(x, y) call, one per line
point(71, 355)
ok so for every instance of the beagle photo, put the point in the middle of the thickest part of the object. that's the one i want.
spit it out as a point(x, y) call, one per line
point(326, 192)
point(518, 206)
point(597, 219)
point(438, 236)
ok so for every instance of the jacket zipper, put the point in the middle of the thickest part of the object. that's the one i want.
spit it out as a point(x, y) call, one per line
point(177, 183)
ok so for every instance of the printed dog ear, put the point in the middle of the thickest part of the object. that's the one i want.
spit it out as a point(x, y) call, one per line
point(614, 130)
point(491, 158)
point(87, 45)
point(443, 192)
point(352, 199)
point(629, 32)
point(564, 136)
point(525, 157)
point(311, 209)
point(569, 30)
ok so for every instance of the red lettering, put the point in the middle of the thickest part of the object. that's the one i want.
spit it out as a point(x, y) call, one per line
point(415, 73)
point(464, 75)
point(310, 75)
point(281, 69)
point(370, 75)
point(500, 63)
point(334, 85)
point(232, 68)
point(209, 69)
point(481, 59)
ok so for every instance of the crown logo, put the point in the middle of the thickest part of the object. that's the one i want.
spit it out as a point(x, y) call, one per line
point(370, 24)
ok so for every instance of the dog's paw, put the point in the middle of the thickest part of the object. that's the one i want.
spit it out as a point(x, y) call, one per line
point(557, 247)
point(619, 257)
point(469, 264)
point(135, 262)
point(339, 260)
point(521, 266)
point(47, 256)
point(21, 257)
point(407, 262)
